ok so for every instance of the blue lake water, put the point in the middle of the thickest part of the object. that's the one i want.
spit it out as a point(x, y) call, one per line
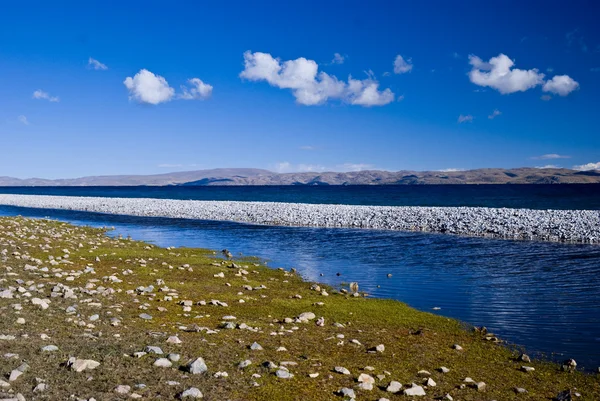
point(544, 296)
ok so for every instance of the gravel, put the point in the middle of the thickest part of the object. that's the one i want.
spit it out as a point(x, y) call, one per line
point(578, 226)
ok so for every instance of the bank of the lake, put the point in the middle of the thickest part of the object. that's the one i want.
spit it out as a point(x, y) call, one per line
point(103, 299)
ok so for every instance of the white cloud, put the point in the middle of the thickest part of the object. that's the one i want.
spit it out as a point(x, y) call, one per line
point(498, 73)
point(451, 170)
point(494, 114)
point(560, 85)
point(40, 94)
point(587, 167)
point(355, 166)
point(546, 98)
point(308, 85)
point(23, 120)
point(145, 87)
point(338, 59)
point(548, 166)
point(465, 119)
point(550, 156)
point(199, 90)
point(402, 66)
point(96, 65)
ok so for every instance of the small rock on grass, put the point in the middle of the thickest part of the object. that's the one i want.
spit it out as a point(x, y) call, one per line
point(191, 392)
point(197, 366)
point(163, 363)
point(394, 387)
point(341, 370)
point(415, 390)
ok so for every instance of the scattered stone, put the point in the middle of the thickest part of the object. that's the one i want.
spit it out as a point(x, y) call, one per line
point(145, 316)
point(50, 348)
point(346, 392)
point(79, 365)
point(191, 392)
point(163, 363)
point(457, 347)
point(444, 369)
point(256, 347)
point(525, 358)
point(283, 374)
point(122, 389)
point(415, 391)
point(245, 364)
point(341, 370)
point(197, 366)
point(16, 373)
point(394, 387)
point(527, 368)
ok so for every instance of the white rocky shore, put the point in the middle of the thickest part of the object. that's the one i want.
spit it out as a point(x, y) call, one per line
point(579, 226)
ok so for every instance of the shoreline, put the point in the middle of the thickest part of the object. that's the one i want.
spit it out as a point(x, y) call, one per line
point(567, 226)
point(99, 281)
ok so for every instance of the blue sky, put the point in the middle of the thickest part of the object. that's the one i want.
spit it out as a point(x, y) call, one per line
point(92, 88)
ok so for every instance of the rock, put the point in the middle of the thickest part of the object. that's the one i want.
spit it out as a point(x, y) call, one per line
point(50, 348)
point(365, 386)
point(16, 373)
point(525, 358)
point(448, 397)
point(527, 368)
point(197, 366)
point(415, 391)
point(306, 316)
point(79, 365)
point(342, 370)
point(122, 389)
point(457, 347)
point(365, 378)
point(40, 388)
point(430, 383)
point(346, 392)
point(480, 386)
point(256, 347)
point(145, 316)
point(423, 373)
point(569, 365)
point(283, 374)
point(313, 375)
point(174, 357)
point(245, 364)
point(20, 321)
point(191, 392)
point(394, 387)
point(151, 349)
point(520, 390)
point(163, 363)
point(444, 369)
point(174, 340)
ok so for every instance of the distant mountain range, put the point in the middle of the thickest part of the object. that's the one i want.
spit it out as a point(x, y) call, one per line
point(249, 176)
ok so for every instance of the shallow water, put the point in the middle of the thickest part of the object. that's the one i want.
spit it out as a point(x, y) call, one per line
point(544, 296)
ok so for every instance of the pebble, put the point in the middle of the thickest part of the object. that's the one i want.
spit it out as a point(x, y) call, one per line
point(197, 366)
point(394, 387)
point(163, 363)
point(341, 370)
point(545, 225)
point(191, 392)
point(415, 391)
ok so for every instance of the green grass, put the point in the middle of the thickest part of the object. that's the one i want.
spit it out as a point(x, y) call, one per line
point(413, 340)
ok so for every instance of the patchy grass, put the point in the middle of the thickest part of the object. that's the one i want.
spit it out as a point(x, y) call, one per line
point(413, 340)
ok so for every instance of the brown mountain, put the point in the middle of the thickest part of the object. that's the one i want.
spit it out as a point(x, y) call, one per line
point(242, 176)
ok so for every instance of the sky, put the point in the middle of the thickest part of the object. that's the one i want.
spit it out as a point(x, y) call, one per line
point(106, 87)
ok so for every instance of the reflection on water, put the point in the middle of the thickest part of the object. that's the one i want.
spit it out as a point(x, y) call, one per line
point(543, 296)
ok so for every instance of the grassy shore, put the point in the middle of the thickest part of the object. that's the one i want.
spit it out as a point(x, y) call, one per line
point(95, 288)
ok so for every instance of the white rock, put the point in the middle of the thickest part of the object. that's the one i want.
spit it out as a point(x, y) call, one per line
point(163, 363)
point(191, 392)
